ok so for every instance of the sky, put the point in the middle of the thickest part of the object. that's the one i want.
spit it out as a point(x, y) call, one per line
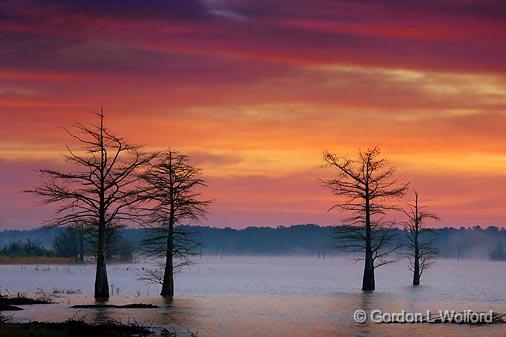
point(255, 91)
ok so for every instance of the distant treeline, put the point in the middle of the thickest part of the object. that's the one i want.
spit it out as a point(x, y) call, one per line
point(474, 242)
point(25, 248)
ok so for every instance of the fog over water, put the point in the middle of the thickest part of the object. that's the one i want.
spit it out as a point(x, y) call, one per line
point(273, 296)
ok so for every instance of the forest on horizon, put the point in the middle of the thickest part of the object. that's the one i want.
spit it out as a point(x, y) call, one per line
point(306, 239)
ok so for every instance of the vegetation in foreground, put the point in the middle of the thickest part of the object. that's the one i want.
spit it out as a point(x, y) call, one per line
point(79, 327)
point(74, 328)
point(21, 299)
point(10, 303)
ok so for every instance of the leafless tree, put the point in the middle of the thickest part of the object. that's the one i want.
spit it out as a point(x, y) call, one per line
point(99, 190)
point(152, 275)
point(156, 274)
point(420, 246)
point(366, 187)
point(174, 197)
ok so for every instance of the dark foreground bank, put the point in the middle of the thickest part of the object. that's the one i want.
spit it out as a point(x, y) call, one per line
point(80, 328)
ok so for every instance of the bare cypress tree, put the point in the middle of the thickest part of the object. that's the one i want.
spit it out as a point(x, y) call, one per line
point(420, 246)
point(365, 187)
point(173, 193)
point(99, 190)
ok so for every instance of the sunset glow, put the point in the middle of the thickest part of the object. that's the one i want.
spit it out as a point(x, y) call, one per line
point(255, 91)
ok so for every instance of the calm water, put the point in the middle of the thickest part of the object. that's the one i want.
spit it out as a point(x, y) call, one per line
point(274, 296)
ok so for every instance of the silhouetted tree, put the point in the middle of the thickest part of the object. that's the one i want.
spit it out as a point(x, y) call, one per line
point(421, 246)
point(99, 190)
point(112, 238)
point(365, 187)
point(69, 242)
point(174, 198)
point(118, 246)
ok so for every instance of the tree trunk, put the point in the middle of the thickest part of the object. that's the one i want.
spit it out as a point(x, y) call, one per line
point(101, 282)
point(368, 279)
point(168, 275)
point(416, 266)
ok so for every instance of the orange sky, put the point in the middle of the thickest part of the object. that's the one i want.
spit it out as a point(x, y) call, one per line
point(255, 91)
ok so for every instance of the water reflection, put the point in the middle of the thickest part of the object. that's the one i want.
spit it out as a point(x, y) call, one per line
point(275, 297)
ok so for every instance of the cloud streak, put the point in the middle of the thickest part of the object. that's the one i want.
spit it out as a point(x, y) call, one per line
point(254, 91)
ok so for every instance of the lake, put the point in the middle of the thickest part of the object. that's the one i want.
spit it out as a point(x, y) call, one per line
point(273, 296)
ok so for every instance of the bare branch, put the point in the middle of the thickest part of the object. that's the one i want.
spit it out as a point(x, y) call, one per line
point(365, 188)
